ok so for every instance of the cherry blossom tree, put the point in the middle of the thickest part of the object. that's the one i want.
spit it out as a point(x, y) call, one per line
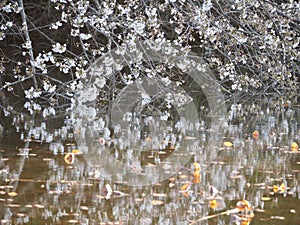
point(48, 46)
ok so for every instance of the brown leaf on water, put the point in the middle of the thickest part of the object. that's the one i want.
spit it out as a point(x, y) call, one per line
point(197, 167)
point(243, 205)
point(196, 178)
point(255, 134)
point(185, 187)
point(69, 158)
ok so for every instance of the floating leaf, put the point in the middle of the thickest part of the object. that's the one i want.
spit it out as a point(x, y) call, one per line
point(255, 134)
point(275, 188)
point(197, 167)
point(294, 147)
point(12, 194)
point(196, 178)
point(69, 158)
point(213, 204)
point(282, 187)
point(243, 205)
point(157, 202)
point(76, 152)
point(279, 189)
point(228, 144)
point(185, 187)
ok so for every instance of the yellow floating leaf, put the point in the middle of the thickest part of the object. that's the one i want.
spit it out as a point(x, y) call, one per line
point(294, 146)
point(255, 134)
point(275, 188)
point(76, 151)
point(213, 204)
point(228, 144)
point(185, 187)
point(196, 178)
point(197, 166)
point(282, 187)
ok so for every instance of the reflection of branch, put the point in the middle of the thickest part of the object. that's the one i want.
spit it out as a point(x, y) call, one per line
point(23, 158)
point(28, 41)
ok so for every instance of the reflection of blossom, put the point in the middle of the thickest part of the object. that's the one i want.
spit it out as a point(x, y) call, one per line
point(138, 27)
point(100, 82)
point(145, 98)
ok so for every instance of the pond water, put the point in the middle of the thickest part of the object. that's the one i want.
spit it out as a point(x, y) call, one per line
point(252, 177)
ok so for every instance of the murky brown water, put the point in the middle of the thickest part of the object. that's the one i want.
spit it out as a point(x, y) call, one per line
point(40, 187)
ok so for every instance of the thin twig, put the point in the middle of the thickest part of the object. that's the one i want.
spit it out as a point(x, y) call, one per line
point(228, 212)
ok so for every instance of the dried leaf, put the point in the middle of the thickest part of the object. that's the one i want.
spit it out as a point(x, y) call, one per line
point(185, 187)
point(213, 204)
point(76, 152)
point(255, 134)
point(69, 158)
point(275, 188)
point(294, 147)
point(197, 167)
point(243, 205)
point(196, 178)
